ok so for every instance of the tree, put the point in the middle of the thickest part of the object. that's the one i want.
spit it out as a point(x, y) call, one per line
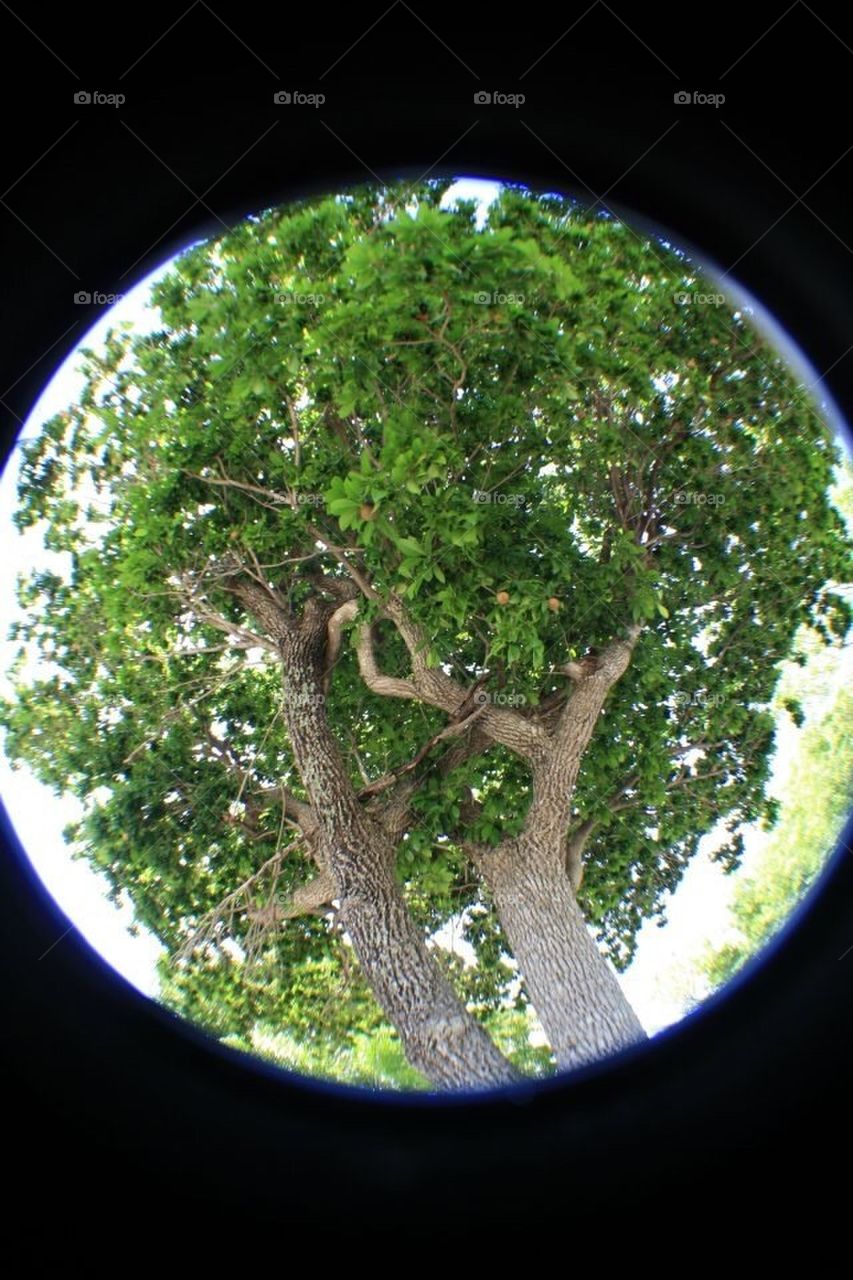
point(418, 570)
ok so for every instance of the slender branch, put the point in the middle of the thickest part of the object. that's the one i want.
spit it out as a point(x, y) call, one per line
point(387, 686)
point(227, 482)
point(340, 554)
point(396, 813)
point(190, 593)
point(510, 728)
point(208, 928)
point(294, 426)
point(554, 776)
point(449, 731)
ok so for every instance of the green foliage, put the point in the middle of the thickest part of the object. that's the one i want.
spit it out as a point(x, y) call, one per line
point(307, 1018)
point(811, 821)
point(333, 1027)
point(511, 1030)
point(530, 408)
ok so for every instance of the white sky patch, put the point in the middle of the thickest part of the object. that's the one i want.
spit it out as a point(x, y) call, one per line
point(451, 937)
point(36, 813)
point(479, 189)
point(659, 982)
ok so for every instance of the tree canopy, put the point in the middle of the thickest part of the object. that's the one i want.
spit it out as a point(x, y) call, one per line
point(536, 433)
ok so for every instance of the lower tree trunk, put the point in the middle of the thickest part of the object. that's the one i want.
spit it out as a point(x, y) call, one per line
point(440, 1037)
point(574, 991)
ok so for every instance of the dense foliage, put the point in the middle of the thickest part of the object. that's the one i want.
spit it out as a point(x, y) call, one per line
point(536, 431)
point(811, 821)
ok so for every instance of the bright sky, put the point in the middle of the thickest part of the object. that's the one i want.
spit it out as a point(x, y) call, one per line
point(37, 814)
point(697, 910)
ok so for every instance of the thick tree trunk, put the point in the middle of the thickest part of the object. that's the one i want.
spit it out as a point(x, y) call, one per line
point(440, 1037)
point(574, 991)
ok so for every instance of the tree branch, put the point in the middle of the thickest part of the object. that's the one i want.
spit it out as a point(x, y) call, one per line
point(387, 686)
point(575, 845)
point(219, 921)
point(396, 813)
point(554, 777)
point(449, 731)
point(434, 687)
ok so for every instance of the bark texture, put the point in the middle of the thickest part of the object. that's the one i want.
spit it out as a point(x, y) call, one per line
point(440, 1037)
point(533, 878)
point(576, 994)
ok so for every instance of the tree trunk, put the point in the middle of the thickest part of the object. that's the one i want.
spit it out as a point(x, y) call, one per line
point(439, 1035)
point(574, 991)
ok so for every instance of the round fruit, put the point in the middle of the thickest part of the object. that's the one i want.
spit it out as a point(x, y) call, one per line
point(367, 511)
point(553, 604)
point(502, 597)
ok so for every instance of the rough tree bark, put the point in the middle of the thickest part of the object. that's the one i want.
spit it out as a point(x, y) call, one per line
point(439, 1036)
point(575, 993)
point(533, 879)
